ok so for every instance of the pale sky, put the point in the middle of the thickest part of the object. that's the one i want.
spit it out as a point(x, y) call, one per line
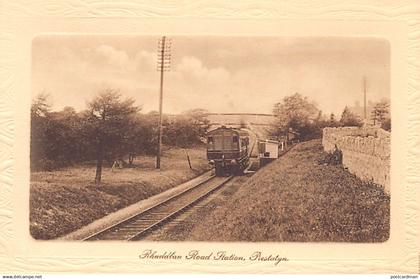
point(220, 74)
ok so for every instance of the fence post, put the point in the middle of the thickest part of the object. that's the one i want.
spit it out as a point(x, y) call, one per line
point(188, 158)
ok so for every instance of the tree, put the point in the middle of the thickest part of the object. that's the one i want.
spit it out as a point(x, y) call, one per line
point(142, 136)
point(198, 117)
point(183, 131)
point(40, 109)
point(41, 105)
point(61, 137)
point(348, 118)
point(298, 113)
point(332, 121)
point(109, 122)
point(380, 112)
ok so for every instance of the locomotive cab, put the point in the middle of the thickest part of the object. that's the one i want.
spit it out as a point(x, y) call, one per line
point(227, 150)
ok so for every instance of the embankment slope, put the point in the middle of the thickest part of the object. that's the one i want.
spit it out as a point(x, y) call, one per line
point(296, 198)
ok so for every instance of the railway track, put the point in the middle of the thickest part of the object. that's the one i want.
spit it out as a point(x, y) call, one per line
point(138, 226)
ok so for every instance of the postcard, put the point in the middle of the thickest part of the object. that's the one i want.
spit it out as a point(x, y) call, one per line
point(136, 144)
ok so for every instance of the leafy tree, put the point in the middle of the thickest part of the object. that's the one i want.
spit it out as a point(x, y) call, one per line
point(184, 130)
point(40, 105)
point(198, 117)
point(380, 112)
point(296, 112)
point(60, 136)
point(142, 136)
point(111, 128)
point(54, 136)
point(348, 118)
point(109, 120)
point(40, 108)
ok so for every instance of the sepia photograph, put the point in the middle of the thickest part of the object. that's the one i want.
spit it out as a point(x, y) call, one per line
point(210, 138)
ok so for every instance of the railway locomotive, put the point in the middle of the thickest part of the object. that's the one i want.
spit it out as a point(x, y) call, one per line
point(227, 150)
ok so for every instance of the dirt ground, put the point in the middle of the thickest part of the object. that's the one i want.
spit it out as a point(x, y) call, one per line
point(64, 200)
point(295, 198)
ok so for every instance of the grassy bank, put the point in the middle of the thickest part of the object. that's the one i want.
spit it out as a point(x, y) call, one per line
point(64, 200)
point(296, 198)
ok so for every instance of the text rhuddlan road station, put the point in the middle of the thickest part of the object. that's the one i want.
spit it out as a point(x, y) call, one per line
point(256, 256)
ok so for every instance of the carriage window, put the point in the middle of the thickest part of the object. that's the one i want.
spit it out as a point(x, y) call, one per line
point(234, 142)
point(215, 142)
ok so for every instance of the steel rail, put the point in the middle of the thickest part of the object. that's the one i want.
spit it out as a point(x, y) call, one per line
point(148, 208)
point(176, 212)
point(131, 220)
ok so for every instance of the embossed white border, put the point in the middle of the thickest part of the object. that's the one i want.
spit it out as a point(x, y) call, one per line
point(20, 20)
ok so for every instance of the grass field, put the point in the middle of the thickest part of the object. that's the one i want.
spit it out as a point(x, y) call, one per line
point(64, 200)
point(295, 198)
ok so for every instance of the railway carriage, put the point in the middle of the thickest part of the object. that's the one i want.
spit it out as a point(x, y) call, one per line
point(268, 150)
point(227, 150)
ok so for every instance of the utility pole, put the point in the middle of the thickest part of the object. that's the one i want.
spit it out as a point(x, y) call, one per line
point(364, 99)
point(163, 64)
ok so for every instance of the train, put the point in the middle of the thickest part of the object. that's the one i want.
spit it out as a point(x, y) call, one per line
point(228, 150)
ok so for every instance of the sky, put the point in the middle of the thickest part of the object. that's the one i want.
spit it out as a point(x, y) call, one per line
point(220, 74)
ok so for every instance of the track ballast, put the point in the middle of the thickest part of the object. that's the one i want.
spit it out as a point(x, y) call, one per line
point(138, 226)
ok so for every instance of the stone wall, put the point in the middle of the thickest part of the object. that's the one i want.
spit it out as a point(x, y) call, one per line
point(366, 151)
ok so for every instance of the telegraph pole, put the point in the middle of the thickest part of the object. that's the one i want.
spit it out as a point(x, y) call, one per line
point(364, 98)
point(163, 64)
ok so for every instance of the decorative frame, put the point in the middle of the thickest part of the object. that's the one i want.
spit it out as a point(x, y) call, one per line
point(21, 20)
